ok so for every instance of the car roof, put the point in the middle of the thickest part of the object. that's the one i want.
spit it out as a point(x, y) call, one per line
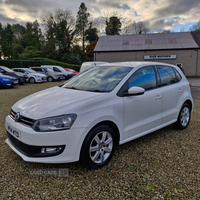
point(20, 68)
point(134, 64)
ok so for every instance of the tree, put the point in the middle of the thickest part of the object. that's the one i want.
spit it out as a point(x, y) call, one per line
point(89, 50)
point(6, 35)
point(18, 31)
point(195, 27)
point(32, 36)
point(59, 31)
point(134, 28)
point(91, 34)
point(30, 52)
point(1, 29)
point(82, 23)
point(113, 26)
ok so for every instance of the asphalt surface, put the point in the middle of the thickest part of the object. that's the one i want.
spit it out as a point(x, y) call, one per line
point(196, 92)
point(195, 87)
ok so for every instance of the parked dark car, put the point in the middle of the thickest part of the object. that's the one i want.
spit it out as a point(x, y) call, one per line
point(20, 76)
point(8, 81)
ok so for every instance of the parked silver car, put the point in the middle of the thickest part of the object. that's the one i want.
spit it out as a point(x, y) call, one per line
point(51, 75)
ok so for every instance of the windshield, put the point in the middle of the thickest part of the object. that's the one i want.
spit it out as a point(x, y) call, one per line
point(30, 71)
point(7, 69)
point(98, 79)
point(61, 69)
point(71, 70)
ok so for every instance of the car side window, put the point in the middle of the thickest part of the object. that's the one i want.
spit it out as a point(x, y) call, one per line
point(144, 77)
point(167, 75)
point(56, 69)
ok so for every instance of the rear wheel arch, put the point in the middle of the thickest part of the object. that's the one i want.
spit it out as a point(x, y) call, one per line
point(189, 102)
point(184, 116)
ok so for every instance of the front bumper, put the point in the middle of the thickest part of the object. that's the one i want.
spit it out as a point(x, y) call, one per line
point(59, 78)
point(41, 80)
point(10, 83)
point(27, 139)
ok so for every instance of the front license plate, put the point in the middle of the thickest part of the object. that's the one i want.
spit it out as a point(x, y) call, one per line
point(13, 132)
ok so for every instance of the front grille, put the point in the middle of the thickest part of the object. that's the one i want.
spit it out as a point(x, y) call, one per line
point(22, 120)
point(30, 150)
point(13, 79)
point(44, 78)
point(24, 148)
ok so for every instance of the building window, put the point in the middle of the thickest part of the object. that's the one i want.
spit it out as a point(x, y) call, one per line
point(180, 65)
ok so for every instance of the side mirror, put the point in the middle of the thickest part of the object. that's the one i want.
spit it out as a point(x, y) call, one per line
point(135, 91)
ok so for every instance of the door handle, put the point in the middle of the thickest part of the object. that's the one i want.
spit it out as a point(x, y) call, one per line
point(158, 97)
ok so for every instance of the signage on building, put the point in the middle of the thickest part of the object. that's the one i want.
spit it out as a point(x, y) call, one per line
point(153, 57)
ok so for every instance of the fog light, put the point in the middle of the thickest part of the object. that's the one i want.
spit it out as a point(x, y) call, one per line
point(51, 149)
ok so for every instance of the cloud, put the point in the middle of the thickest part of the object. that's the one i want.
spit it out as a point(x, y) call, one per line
point(159, 14)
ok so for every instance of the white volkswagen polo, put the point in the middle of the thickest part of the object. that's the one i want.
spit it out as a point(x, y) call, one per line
point(86, 117)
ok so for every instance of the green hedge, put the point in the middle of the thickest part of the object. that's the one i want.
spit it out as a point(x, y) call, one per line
point(36, 62)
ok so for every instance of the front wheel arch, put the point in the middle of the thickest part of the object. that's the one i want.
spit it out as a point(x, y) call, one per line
point(112, 125)
point(32, 80)
point(85, 153)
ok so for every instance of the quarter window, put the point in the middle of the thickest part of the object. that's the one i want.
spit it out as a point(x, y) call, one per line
point(178, 76)
point(144, 77)
point(167, 75)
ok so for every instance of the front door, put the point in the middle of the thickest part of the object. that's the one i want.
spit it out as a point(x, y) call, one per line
point(142, 112)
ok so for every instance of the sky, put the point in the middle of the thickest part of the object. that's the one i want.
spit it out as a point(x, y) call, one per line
point(174, 15)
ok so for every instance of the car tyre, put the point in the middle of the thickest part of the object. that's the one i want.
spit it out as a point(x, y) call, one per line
point(184, 117)
point(1, 85)
point(32, 80)
point(50, 79)
point(98, 147)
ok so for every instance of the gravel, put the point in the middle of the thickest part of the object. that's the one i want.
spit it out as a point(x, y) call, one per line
point(162, 165)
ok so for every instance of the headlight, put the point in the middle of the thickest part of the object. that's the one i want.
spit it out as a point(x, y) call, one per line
point(55, 123)
point(37, 76)
point(6, 79)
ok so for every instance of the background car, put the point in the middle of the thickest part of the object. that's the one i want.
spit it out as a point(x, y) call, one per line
point(33, 76)
point(60, 69)
point(8, 81)
point(20, 76)
point(51, 75)
point(87, 65)
point(71, 70)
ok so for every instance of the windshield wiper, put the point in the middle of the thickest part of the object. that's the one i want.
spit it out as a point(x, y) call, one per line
point(73, 88)
point(97, 91)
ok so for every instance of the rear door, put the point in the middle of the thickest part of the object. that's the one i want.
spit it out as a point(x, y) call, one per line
point(142, 112)
point(172, 92)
